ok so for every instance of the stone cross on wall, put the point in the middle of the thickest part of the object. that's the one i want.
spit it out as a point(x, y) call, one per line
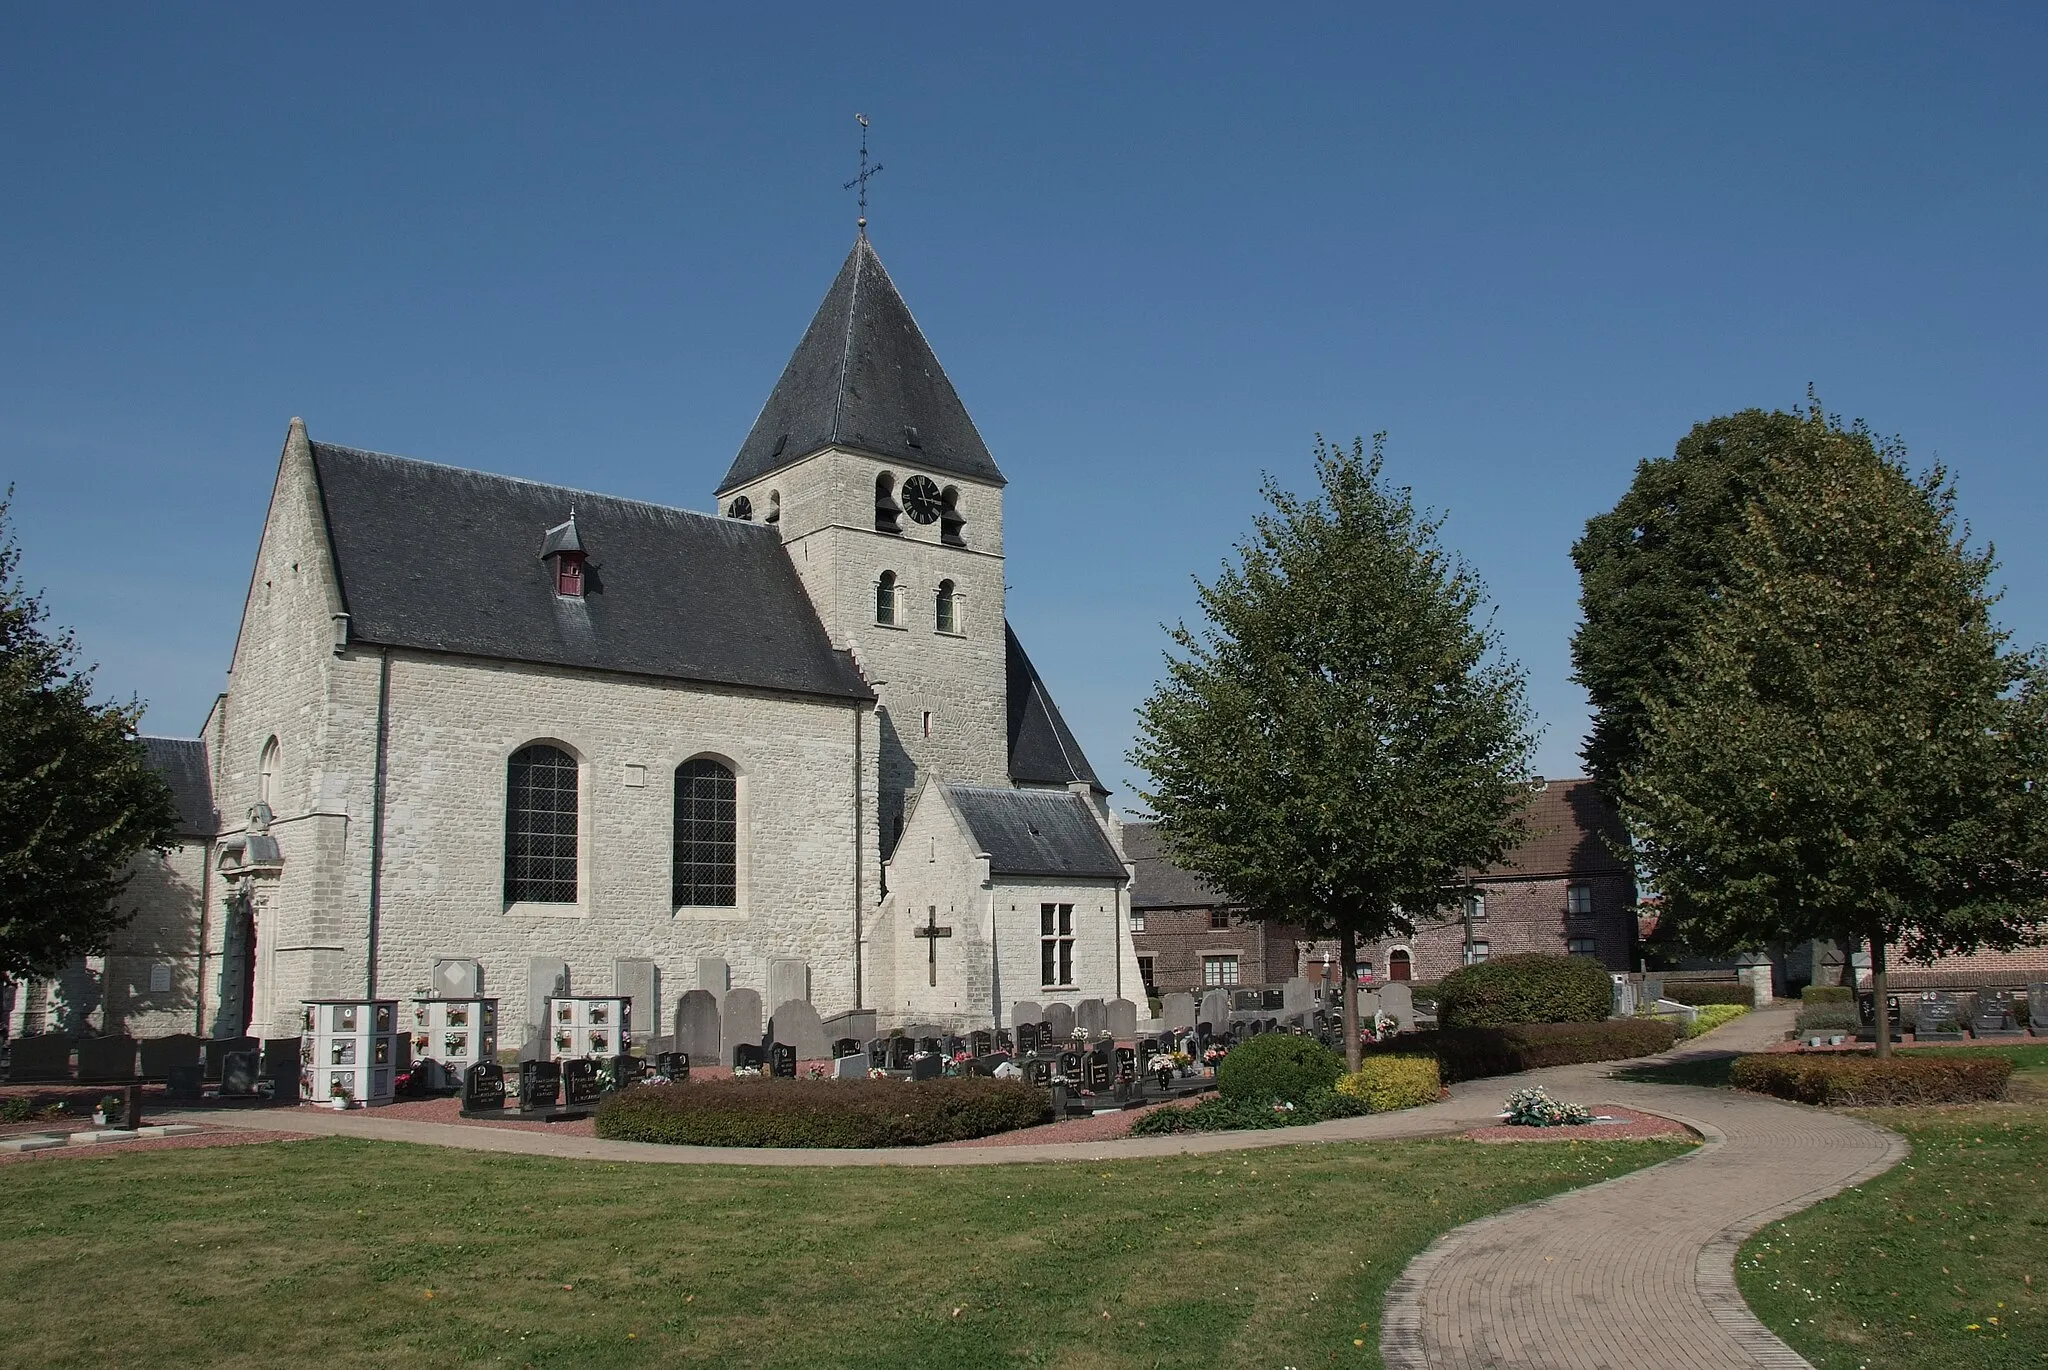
point(932, 932)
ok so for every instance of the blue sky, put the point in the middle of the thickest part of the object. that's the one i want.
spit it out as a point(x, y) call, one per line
point(1158, 249)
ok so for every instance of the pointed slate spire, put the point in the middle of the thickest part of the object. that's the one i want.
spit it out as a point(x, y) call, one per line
point(864, 377)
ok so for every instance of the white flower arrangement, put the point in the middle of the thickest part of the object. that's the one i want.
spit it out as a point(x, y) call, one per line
point(1534, 1107)
point(746, 1072)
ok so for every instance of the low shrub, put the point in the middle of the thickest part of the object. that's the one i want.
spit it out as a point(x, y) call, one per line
point(17, 1108)
point(1698, 992)
point(1476, 1053)
point(1856, 1080)
point(1530, 987)
point(1385, 1083)
point(1711, 1016)
point(1828, 1017)
point(1277, 1067)
point(823, 1113)
point(1236, 1115)
point(1827, 994)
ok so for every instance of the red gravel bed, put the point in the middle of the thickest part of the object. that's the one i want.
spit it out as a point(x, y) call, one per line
point(449, 1110)
point(1870, 1048)
point(1634, 1127)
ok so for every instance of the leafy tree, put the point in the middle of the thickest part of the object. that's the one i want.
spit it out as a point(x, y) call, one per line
point(77, 799)
point(1846, 746)
point(1342, 740)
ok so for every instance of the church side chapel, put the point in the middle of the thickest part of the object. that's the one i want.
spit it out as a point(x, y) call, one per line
point(488, 738)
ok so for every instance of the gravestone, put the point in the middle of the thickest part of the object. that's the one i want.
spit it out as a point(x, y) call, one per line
point(626, 1071)
point(282, 1057)
point(796, 1024)
point(186, 1082)
point(857, 1023)
point(878, 1054)
point(1397, 1001)
point(1995, 1017)
point(1004, 1041)
point(1938, 1017)
point(850, 1068)
point(981, 1041)
point(1091, 1017)
point(580, 1085)
point(1025, 1011)
point(239, 1071)
point(2037, 1009)
point(789, 977)
point(1039, 1070)
point(698, 1029)
point(457, 979)
point(105, 1060)
point(673, 1066)
point(483, 1090)
point(540, 1084)
point(1178, 1011)
point(927, 1068)
point(159, 1054)
point(714, 976)
point(782, 1061)
point(1215, 1010)
point(1027, 1038)
point(748, 1056)
point(547, 977)
point(638, 982)
point(901, 1050)
point(1297, 996)
point(217, 1051)
point(845, 1047)
point(1122, 1018)
point(1101, 1068)
point(1061, 1017)
point(742, 1015)
point(929, 1046)
point(1866, 1011)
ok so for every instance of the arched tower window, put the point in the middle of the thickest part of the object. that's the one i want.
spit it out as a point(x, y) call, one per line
point(540, 826)
point(266, 776)
point(952, 523)
point(885, 598)
point(774, 514)
point(948, 613)
point(707, 836)
point(888, 513)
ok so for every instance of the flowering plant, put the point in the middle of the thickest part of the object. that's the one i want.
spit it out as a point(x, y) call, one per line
point(815, 1073)
point(1213, 1055)
point(877, 1073)
point(746, 1072)
point(1534, 1107)
point(1181, 1060)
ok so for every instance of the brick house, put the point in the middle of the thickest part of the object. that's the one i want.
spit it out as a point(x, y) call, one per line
point(1189, 937)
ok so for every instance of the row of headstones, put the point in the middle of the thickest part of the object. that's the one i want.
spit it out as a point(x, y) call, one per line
point(1299, 1005)
point(1117, 1017)
point(1942, 1014)
point(46, 1057)
point(548, 1087)
point(706, 1030)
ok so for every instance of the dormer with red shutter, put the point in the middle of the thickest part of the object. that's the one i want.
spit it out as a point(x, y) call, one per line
point(564, 550)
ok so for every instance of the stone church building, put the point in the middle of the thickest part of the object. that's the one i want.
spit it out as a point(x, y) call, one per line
point(587, 742)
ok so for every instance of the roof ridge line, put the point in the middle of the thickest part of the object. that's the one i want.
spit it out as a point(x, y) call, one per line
point(846, 341)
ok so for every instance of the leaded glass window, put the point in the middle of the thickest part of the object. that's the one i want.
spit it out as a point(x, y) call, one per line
point(540, 826)
point(707, 836)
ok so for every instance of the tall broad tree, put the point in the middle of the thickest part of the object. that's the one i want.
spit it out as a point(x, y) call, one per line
point(1342, 738)
point(78, 800)
point(1846, 746)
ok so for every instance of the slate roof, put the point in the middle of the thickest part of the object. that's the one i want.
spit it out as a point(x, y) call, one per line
point(1570, 831)
point(1158, 883)
point(862, 377)
point(1042, 748)
point(181, 761)
point(1037, 832)
point(446, 560)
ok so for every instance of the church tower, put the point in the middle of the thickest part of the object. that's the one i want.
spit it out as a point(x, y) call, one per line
point(891, 509)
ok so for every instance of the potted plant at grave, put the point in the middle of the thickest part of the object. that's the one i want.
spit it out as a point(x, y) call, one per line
point(339, 1097)
point(109, 1110)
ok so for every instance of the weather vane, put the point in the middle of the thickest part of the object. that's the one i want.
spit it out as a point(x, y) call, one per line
point(865, 172)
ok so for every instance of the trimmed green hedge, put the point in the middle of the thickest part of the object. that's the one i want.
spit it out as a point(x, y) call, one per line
point(1828, 1016)
point(1828, 994)
point(1854, 1080)
point(1385, 1083)
point(1699, 992)
point(823, 1113)
point(1531, 987)
point(1277, 1067)
point(1476, 1053)
point(1237, 1115)
point(1712, 1016)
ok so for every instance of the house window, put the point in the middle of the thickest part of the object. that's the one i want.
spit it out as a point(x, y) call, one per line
point(1145, 974)
point(1219, 919)
point(885, 599)
point(1578, 900)
point(1137, 920)
point(1475, 904)
point(1056, 944)
point(266, 776)
point(1476, 953)
point(1219, 970)
point(948, 613)
point(1581, 946)
point(706, 871)
point(540, 826)
point(1400, 965)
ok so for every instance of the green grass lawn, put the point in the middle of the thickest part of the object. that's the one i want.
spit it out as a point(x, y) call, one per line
point(1940, 1263)
point(337, 1252)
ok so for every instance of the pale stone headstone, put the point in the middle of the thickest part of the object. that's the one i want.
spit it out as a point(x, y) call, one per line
point(1178, 1009)
point(698, 1028)
point(789, 977)
point(796, 1024)
point(742, 1015)
point(1398, 1002)
point(857, 1023)
point(1368, 1007)
point(1061, 1017)
point(1624, 1005)
point(1090, 1016)
point(1215, 1011)
point(714, 975)
point(458, 979)
point(639, 982)
point(1297, 996)
point(850, 1068)
point(1123, 1018)
point(1026, 1011)
point(547, 977)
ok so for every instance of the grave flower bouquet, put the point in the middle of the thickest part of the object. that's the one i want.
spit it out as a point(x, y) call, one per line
point(746, 1072)
point(1534, 1107)
point(1214, 1055)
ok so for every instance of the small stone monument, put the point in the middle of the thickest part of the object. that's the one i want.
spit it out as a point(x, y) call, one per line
point(1025, 1011)
point(1397, 1001)
point(742, 1020)
point(1178, 1011)
point(796, 1023)
point(698, 1026)
point(1122, 1016)
point(1061, 1018)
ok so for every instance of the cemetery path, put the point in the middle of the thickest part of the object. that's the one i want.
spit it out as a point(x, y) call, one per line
point(1639, 1270)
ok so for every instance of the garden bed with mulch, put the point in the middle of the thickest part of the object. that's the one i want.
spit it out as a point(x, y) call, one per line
point(1631, 1125)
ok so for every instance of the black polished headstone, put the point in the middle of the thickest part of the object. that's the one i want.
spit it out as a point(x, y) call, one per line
point(1101, 1070)
point(2037, 1009)
point(219, 1047)
point(1027, 1037)
point(580, 1085)
point(782, 1061)
point(185, 1082)
point(1004, 1041)
point(1996, 1015)
point(540, 1084)
point(1039, 1071)
point(483, 1088)
point(845, 1046)
point(981, 1041)
point(673, 1065)
point(878, 1054)
point(239, 1071)
point(927, 1067)
point(1126, 1063)
point(747, 1056)
point(901, 1050)
point(931, 1045)
point(1938, 1017)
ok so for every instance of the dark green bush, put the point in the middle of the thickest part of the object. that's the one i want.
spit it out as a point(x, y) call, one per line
point(823, 1113)
point(1277, 1067)
point(1827, 1016)
point(1532, 987)
point(1698, 992)
point(1234, 1115)
point(1858, 1080)
point(1828, 994)
point(1476, 1053)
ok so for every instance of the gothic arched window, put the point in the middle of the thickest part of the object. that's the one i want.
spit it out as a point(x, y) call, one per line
point(707, 836)
point(540, 826)
point(948, 614)
point(885, 598)
point(266, 776)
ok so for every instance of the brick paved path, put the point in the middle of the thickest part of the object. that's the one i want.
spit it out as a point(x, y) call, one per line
point(1640, 1270)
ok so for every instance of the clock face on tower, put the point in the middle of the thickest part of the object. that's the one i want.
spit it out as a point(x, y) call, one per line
point(921, 499)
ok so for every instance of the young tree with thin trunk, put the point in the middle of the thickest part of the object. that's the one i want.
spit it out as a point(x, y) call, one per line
point(1846, 747)
point(1342, 739)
